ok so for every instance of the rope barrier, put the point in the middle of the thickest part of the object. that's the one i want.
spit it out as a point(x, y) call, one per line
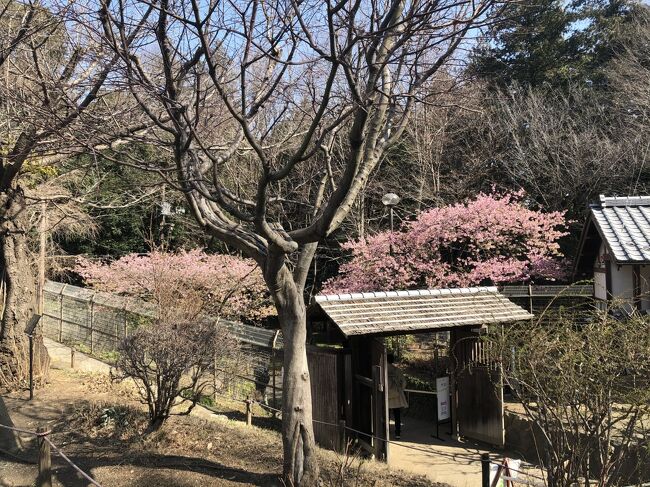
point(270, 408)
point(467, 456)
point(72, 464)
point(368, 435)
point(44, 435)
point(27, 432)
point(392, 442)
point(266, 406)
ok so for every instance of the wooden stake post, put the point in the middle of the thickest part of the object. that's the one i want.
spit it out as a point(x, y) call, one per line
point(44, 460)
point(485, 470)
point(249, 412)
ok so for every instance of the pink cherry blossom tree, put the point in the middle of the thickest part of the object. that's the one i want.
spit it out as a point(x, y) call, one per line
point(492, 239)
point(185, 284)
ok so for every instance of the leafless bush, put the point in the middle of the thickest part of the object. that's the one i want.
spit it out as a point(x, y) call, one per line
point(347, 469)
point(173, 364)
point(584, 382)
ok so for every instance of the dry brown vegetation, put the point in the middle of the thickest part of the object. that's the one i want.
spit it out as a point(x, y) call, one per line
point(101, 426)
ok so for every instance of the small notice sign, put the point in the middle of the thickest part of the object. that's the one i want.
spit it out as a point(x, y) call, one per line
point(503, 475)
point(442, 398)
point(31, 326)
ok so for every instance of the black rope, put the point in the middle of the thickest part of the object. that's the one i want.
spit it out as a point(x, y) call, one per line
point(44, 435)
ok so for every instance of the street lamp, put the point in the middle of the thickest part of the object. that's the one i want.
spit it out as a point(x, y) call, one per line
point(390, 200)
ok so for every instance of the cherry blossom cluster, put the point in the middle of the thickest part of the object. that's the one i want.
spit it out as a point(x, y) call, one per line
point(492, 239)
point(206, 283)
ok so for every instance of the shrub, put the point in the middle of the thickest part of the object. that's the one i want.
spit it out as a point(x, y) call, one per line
point(173, 364)
point(584, 384)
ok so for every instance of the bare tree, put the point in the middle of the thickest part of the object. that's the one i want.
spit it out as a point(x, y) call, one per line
point(53, 79)
point(251, 97)
point(559, 147)
point(565, 147)
point(428, 138)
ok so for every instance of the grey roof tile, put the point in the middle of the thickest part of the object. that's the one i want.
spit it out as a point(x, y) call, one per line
point(412, 311)
point(624, 223)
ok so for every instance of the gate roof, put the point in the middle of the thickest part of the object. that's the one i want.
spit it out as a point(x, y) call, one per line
point(399, 312)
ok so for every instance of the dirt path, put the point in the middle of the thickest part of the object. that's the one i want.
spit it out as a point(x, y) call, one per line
point(443, 459)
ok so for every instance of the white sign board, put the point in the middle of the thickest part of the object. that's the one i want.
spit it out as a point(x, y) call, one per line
point(509, 470)
point(442, 397)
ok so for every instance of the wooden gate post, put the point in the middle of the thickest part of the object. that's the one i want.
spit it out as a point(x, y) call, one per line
point(380, 412)
point(92, 323)
point(44, 460)
point(453, 341)
point(342, 439)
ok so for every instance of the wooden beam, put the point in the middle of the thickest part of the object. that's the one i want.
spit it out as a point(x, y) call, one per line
point(636, 280)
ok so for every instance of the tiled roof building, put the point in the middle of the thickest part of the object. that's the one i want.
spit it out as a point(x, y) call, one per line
point(615, 250)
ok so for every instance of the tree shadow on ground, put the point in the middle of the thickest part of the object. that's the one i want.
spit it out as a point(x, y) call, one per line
point(15, 445)
point(266, 422)
point(66, 475)
point(122, 451)
point(123, 444)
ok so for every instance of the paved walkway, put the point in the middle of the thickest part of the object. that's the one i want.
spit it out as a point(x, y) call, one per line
point(60, 357)
point(444, 459)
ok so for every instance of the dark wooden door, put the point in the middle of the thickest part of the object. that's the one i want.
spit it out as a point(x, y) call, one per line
point(479, 390)
point(369, 395)
point(380, 399)
point(326, 373)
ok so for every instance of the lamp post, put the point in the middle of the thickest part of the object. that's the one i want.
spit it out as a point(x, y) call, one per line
point(390, 200)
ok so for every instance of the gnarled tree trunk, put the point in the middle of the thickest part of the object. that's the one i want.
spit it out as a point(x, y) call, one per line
point(300, 462)
point(19, 296)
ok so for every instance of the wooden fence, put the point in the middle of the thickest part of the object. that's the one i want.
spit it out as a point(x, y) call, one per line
point(536, 298)
point(547, 290)
point(96, 322)
point(99, 320)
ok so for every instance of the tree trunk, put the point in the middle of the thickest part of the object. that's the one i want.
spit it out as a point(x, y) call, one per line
point(19, 296)
point(300, 462)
